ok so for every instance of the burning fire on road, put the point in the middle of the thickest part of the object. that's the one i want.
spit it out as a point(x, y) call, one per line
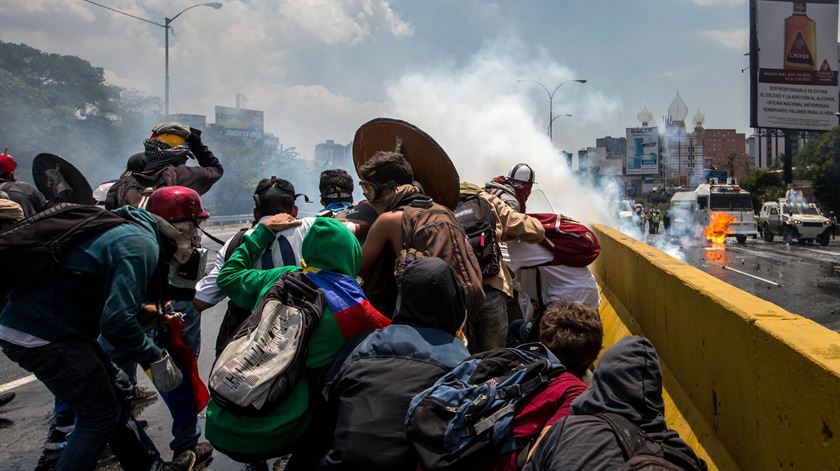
point(717, 228)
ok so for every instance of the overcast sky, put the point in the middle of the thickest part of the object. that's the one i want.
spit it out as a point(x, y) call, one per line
point(320, 68)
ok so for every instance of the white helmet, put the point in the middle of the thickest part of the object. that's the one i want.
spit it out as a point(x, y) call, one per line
point(522, 173)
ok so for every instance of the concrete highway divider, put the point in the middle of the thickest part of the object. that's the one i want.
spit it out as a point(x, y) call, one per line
point(747, 384)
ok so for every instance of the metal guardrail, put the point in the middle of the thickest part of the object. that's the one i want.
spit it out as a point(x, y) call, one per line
point(243, 219)
point(229, 220)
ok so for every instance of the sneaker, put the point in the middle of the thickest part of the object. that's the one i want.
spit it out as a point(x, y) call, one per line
point(48, 460)
point(183, 462)
point(60, 429)
point(203, 454)
point(6, 398)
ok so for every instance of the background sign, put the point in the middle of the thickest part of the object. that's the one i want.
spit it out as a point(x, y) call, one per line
point(642, 151)
point(793, 48)
point(239, 122)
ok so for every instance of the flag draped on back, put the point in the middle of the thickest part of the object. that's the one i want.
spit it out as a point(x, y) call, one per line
point(351, 309)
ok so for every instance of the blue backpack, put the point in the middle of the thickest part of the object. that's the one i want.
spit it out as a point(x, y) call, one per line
point(464, 420)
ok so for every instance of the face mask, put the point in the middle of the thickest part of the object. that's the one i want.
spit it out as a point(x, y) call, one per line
point(187, 274)
point(189, 229)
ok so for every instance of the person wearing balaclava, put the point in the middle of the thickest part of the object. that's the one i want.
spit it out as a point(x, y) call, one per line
point(49, 327)
point(627, 382)
point(513, 188)
point(173, 144)
point(372, 387)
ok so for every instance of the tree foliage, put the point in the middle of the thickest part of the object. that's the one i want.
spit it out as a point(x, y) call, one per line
point(763, 185)
point(819, 162)
point(62, 104)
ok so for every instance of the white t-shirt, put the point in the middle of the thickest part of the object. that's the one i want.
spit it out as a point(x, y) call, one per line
point(285, 251)
point(558, 282)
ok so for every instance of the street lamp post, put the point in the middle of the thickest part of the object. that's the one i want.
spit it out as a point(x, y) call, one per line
point(166, 27)
point(550, 124)
point(550, 94)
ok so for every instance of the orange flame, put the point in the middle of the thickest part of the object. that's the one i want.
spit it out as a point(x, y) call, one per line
point(717, 228)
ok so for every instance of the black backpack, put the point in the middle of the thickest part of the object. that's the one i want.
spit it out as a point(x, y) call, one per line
point(643, 453)
point(134, 188)
point(266, 357)
point(479, 222)
point(34, 246)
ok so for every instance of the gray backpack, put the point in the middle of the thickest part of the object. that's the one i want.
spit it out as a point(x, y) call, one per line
point(264, 360)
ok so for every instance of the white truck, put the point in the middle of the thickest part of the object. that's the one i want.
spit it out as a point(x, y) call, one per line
point(708, 198)
point(794, 218)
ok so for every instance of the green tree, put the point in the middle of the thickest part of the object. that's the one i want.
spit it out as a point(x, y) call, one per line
point(819, 162)
point(763, 185)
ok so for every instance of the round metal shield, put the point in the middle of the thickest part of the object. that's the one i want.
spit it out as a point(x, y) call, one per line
point(55, 176)
point(432, 167)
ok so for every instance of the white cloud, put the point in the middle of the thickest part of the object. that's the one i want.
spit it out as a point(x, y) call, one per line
point(735, 39)
point(708, 3)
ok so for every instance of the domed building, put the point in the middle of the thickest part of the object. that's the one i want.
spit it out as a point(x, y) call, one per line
point(683, 163)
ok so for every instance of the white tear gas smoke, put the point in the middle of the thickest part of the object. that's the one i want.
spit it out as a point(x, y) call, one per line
point(486, 122)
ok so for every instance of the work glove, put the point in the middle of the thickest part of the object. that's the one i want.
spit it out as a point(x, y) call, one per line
point(165, 375)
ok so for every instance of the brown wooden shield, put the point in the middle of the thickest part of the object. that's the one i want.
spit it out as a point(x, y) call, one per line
point(81, 192)
point(432, 167)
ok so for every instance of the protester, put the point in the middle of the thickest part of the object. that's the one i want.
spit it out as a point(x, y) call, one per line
point(488, 324)
point(272, 196)
point(513, 188)
point(542, 283)
point(163, 163)
point(372, 387)
point(573, 333)
point(336, 187)
point(387, 181)
point(49, 329)
point(628, 383)
point(332, 257)
point(27, 196)
point(182, 208)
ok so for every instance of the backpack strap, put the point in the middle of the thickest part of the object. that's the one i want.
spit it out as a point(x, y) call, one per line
point(630, 437)
point(235, 242)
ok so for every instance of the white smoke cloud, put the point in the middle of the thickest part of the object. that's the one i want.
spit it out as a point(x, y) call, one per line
point(487, 122)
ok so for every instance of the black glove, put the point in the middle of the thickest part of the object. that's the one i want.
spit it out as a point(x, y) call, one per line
point(194, 139)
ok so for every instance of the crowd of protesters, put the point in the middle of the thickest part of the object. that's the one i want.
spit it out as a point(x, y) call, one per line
point(340, 331)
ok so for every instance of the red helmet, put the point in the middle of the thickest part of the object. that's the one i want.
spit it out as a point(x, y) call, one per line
point(176, 204)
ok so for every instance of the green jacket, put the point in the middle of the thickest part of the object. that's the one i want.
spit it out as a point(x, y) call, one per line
point(116, 266)
point(328, 246)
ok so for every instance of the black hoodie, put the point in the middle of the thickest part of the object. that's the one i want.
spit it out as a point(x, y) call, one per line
point(628, 382)
point(373, 386)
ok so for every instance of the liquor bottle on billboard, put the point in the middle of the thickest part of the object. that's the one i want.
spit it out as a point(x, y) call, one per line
point(800, 39)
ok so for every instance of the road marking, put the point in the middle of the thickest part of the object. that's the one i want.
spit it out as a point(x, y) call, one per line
point(17, 383)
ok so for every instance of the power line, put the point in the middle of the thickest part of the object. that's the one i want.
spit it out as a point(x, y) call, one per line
point(123, 13)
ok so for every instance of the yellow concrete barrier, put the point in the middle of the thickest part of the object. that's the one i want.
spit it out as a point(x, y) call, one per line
point(749, 385)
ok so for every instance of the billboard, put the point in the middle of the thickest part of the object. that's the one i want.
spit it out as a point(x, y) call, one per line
point(793, 62)
point(239, 122)
point(642, 156)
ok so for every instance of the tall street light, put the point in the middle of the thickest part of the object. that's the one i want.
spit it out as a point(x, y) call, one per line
point(167, 22)
point(550, 94)
point(555, 118)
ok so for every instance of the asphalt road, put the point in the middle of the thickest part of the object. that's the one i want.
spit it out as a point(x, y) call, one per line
point(809, 277)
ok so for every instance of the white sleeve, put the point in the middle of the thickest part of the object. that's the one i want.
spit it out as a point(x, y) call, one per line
point(206, 289)
point(351, 226)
